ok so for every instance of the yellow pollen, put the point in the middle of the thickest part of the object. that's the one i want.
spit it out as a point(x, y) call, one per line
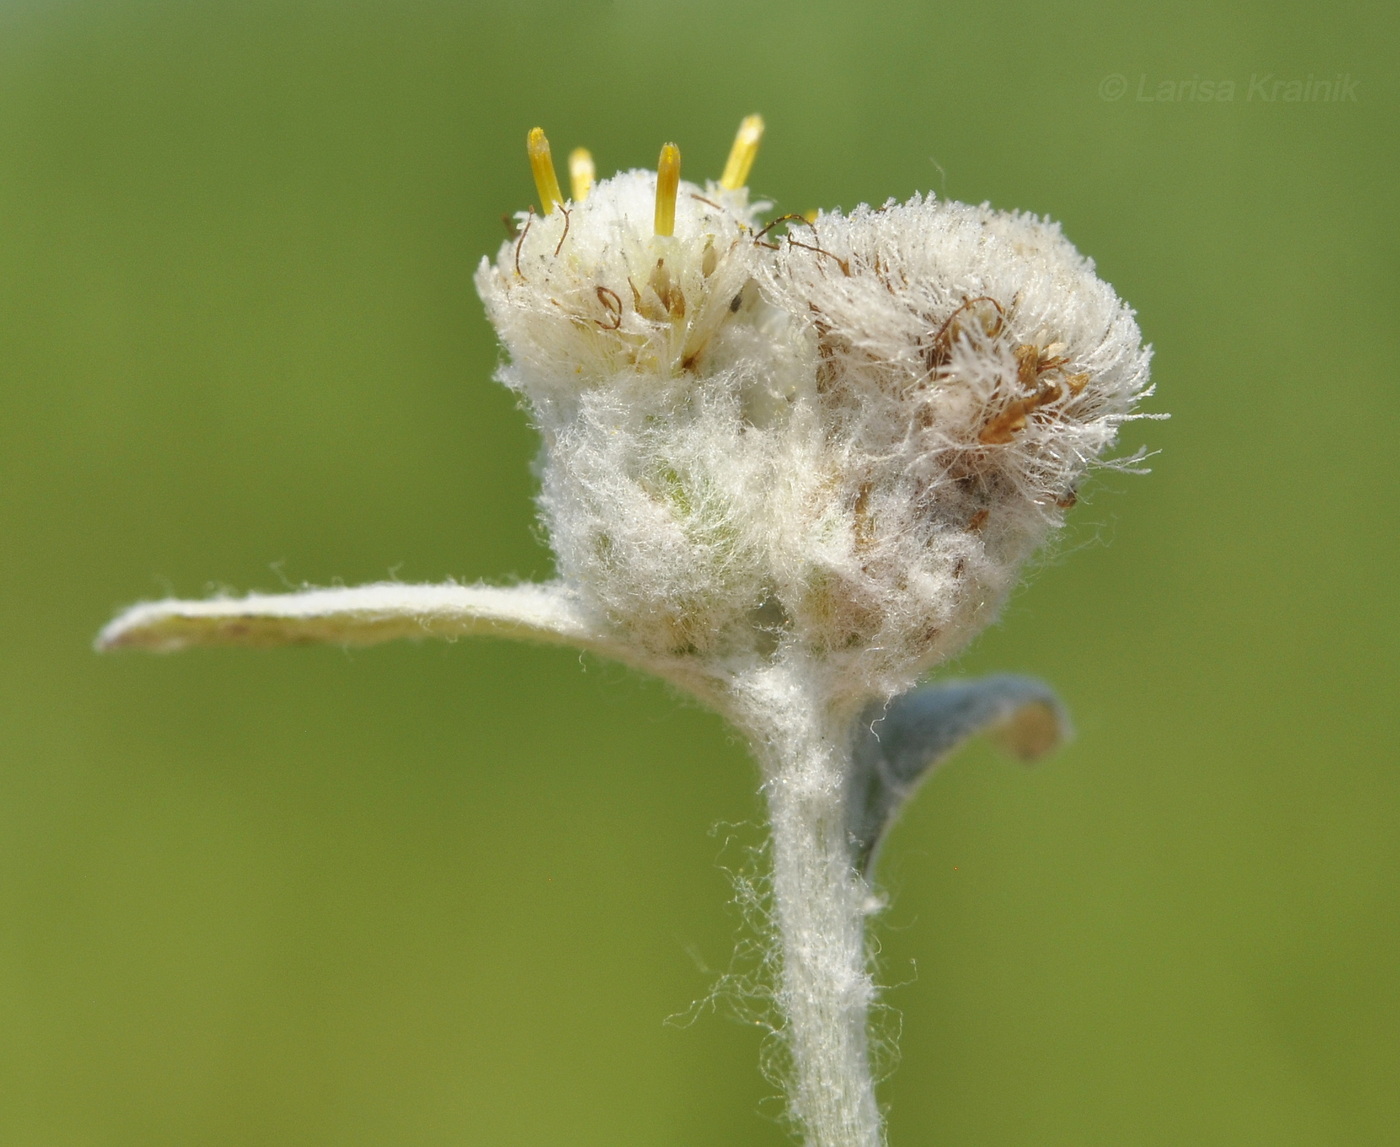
point(542, 168)
point(668, 181)
point(741, 155)
point(581, 173)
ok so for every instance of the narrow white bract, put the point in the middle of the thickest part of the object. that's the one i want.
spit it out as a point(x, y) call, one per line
point(788, 468)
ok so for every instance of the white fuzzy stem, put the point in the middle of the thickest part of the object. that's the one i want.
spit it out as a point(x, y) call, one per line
point(819, 906)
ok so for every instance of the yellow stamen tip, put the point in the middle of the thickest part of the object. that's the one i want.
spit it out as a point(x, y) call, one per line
point(741, 155)
point(542, 168)
point(581, 173)
point(668, 182)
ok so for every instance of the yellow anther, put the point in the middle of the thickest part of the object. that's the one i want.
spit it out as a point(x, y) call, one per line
point(741, 155)
point(542, 168)
point(668, 182)
point(581, 173)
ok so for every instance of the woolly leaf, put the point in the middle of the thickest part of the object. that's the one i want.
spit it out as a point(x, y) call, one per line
point(900, 743)
point(364, 615)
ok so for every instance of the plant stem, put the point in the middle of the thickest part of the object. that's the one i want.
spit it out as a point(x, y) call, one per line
point(824, 988)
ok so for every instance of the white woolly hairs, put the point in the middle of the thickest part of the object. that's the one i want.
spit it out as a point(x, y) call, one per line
point(837, 446)
point(788, 474)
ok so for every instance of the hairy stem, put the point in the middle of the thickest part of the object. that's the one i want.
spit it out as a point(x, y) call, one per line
point(819, 906)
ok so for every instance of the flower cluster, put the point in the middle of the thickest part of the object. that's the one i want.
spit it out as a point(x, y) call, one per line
point(830, 440)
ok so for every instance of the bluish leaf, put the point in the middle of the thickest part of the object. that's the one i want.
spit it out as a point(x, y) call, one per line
point(899, 743)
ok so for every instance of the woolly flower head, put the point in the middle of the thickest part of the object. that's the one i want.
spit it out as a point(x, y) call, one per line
point(831, 439)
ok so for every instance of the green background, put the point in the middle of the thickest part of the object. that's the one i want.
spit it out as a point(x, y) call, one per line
point(426, 895)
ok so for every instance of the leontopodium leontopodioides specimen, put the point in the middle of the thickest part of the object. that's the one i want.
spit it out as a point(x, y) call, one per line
point(789, 467)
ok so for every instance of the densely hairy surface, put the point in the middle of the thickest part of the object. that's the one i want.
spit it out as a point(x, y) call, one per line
point(832, 447)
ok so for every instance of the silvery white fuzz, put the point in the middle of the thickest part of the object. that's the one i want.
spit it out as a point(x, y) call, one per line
point(789, 468)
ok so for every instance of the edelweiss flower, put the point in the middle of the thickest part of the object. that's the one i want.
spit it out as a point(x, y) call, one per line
point(789, 468)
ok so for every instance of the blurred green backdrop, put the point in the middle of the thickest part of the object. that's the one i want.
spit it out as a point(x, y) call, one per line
point(448, 894)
